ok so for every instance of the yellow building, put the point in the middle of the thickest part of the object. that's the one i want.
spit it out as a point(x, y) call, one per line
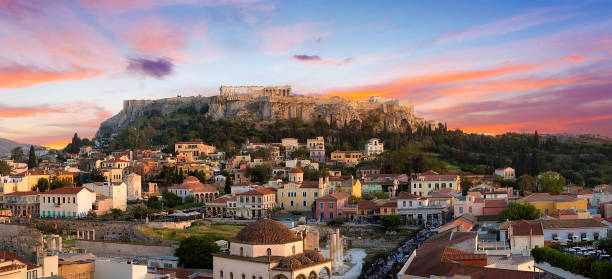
point(301, 195)
point(188, 168)
point(548, 204)
point(350, 158)
point(112, 174)
point(350, 186)
point(31, 177)
point(192, 150)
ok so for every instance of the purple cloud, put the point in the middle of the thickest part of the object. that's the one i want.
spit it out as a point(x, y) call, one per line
point(304, 57)
point(158, 69)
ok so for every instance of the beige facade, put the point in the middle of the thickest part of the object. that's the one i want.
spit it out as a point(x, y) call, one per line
point(192, 150)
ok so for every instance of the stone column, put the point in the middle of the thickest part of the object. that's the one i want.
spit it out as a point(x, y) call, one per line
point(93, 234)
point(87, 235)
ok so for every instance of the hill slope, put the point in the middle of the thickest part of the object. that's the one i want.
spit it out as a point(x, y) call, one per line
point(6, 145)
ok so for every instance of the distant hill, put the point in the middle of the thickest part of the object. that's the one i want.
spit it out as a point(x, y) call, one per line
point(6, 145)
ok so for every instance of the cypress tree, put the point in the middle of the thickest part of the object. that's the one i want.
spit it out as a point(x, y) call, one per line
point(32, 161)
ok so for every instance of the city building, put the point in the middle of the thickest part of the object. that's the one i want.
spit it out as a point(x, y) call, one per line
point(22, 204)
point(351, 186)
point(115, 163)
point(268, 249)
point(349, 158)
point(256, 203)
point(426, 183)
point(316, 149)
point(469, 204)
point(192, 186)
point(192, 150)
point(117, 192)
point(69, 202)
point(224, 206)
point(300, 196)
point(547, 203)
point(418, 211)
point(330, 206)
point(507, 173)
point(525, 235)
point(373, 147)
point(573, 230)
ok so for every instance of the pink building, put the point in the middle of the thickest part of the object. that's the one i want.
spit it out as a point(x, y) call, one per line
point(331, 206)
point(468, 205)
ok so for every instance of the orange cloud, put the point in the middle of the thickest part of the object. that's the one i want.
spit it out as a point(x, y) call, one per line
point(19, 76)
point(549, 126)
point(575, 58)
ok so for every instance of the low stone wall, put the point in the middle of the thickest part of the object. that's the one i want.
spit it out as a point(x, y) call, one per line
point(170, 225)
point(111, 248)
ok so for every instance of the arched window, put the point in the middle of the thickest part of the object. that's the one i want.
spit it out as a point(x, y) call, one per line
point(221, 273)
point(241, 251)
point(243, 276)
point(293, 249)
point(231, 275)
point(269, 252)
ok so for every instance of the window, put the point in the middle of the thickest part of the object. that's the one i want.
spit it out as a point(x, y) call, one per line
point(268, 252)
point(331, 205)
point(570, 236)
point(410, 203)
point(316, 194)
point(282, 205)
point(253, 199)
point(331, 216)
point(231, 275)
point(303, 193)
point(304, 203)
point(293, 250)
point(221, 273)
point(470, 209)
point(404, 203)
point(460, 209)
point(291, 203)
point(241, 251)
point(322, 217)
point(243, 276)
point(595, 236)
point(322, 205)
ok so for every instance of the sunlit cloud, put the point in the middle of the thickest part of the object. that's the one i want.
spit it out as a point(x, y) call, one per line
point(317, 60)
point(282, 39)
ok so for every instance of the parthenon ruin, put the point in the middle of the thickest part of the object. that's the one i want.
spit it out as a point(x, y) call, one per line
point(255, 91)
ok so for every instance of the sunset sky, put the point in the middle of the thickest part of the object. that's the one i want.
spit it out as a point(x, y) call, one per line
point(482, 66)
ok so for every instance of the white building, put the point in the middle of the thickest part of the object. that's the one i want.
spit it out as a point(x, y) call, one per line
point(373, 147)
point(134, 186)
point(573, 230)
point(192, 186)
point(417, 210)
point(269, 249)
point(256, 203)
point(107, 268)
point(297, 163)
point(69, 202)
point(115, 191)
point(316, 147)
point(506, 173)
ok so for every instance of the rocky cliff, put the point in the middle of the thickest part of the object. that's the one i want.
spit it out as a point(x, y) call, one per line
point(391, 113)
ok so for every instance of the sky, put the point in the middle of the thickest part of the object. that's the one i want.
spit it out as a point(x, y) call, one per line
point(481, 66)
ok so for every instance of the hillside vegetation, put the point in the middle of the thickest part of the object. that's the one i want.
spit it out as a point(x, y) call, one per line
point(418, 149)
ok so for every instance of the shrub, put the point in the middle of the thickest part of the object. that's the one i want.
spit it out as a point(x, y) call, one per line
point(586, 266)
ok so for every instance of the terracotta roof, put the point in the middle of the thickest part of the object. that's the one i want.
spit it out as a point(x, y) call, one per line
point(366, 204)
point(526, 228)
point(265, 231)
point(495, 203)
point(571, 224)
point(189, 142)
point(26, 193)
point(10, 256)
point(296, 170)
point(335, 196)
point(440, 195)
point(409, 196)
point(453, 255)
point(259, 191)
point(309, 184)
point(194, 185)
point(222, 199)
point(245, 184)
point(563, 212)
point(180, 273)
point(66, 191)
point(432, 258)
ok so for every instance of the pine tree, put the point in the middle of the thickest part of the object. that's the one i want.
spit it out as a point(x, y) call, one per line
point(32, 161)
point(523, 167)
point(535, 163)
point(536, 140)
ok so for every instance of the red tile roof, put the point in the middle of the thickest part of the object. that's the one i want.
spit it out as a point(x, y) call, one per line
point(526, 228)
point(26, 193)
point(409, 196)
point(66, 191)
point(335, 196)
point(496, 203)
point(193, 184)
point(259, 191)
point(296, 170)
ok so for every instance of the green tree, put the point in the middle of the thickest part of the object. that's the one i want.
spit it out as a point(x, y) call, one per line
point(116, 213)
point(335, 222)
point(97, 175)
point(310, 173)
point(5, 168)
point(353, 199)
point(154, 203)
point(466, 184)
point(17, 154)
point(390, 222)
point(42, 185)
point(551, 182)
point(32, 161)
point(301, 153)
point(573, 177)
point(260, 173)
point(525, 182)
point(189, 199)
point(519, 211)
point(196, 252)
point(171, 200)
point(57, 183)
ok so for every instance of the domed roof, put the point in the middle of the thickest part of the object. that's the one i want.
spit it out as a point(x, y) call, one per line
point(265, 231)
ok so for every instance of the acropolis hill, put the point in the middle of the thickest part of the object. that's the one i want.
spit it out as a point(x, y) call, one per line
point(269, 103)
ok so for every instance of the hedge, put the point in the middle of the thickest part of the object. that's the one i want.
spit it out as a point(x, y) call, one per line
point(587, 266)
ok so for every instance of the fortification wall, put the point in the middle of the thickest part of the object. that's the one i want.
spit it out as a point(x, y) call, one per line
point(109, 248)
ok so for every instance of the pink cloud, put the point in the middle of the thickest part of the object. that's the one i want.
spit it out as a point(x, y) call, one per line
point(281, 39)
